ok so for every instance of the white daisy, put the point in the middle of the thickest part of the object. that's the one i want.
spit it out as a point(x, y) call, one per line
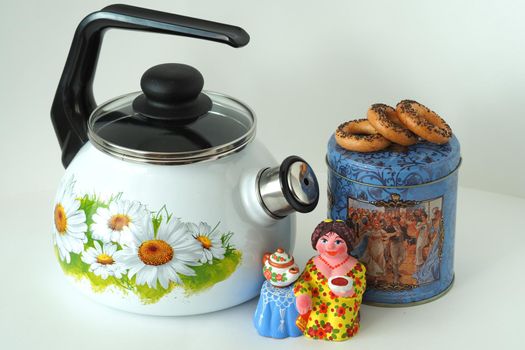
point(119, 222)
point(102, 260)
point(70, 222)
point(209, 240)
point(162, 257)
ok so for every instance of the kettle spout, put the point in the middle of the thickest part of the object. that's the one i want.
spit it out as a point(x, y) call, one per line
point(271, 194)
point(294, 270)
point(288, 188)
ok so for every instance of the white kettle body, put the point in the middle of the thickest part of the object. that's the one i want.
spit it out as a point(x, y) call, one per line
point(214, 195)
point(168, 201)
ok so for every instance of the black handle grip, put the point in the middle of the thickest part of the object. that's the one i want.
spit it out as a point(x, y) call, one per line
point(74, 101)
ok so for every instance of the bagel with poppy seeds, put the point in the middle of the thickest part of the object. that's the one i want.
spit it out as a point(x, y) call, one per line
point(423, 122)
point(360, 136)
point(385, 120)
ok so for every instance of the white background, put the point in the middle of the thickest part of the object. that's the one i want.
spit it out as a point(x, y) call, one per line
point(310, 65)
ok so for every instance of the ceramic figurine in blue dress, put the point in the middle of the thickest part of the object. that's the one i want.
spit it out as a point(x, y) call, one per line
point(276, 313)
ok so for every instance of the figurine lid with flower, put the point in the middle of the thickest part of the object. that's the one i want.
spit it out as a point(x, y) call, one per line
point(281, 259)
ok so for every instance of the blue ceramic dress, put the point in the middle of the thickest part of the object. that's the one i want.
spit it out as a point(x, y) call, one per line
point(276, 313)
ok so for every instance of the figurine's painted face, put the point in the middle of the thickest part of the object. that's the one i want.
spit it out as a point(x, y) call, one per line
point(332, 246)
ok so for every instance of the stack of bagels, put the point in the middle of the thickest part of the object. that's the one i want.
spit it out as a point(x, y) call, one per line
point(404, 125)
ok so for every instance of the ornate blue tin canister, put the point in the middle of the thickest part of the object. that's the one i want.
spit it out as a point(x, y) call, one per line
point(402, 205)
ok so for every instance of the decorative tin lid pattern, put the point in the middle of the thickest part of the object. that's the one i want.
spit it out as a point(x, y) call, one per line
point(417, 164)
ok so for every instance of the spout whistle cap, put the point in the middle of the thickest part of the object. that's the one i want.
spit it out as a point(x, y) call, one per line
point(288, 188)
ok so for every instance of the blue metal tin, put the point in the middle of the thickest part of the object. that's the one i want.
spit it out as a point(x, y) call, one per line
point(402, 204)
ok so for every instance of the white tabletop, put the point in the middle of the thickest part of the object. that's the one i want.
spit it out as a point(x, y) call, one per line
point(484, 309)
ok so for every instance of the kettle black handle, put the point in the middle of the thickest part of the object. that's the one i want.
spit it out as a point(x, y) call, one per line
point(74, 101)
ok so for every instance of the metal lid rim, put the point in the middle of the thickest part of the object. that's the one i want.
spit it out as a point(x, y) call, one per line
point(167, 158)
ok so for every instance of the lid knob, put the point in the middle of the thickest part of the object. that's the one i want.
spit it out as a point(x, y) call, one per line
point(172, 92)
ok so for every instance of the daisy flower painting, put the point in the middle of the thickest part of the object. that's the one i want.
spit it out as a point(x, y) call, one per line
point(101, 260)
point(209, 241)
point(121, 245)
point(119, 222)
point(69, 222)
point(162, 257)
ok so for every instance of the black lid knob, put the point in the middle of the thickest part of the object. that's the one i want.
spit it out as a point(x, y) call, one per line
point(172, 92)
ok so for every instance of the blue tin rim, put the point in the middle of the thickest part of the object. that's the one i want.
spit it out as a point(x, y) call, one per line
point(405, 186)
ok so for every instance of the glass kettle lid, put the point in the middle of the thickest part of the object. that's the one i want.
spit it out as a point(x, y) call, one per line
point(172, 121)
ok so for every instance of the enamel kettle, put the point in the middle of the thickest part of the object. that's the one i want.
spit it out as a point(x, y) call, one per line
point(168, 200)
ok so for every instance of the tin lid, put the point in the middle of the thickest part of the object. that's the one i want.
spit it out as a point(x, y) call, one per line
point(396, 166)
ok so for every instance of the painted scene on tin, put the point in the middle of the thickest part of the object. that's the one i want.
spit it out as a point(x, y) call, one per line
point(400, 242)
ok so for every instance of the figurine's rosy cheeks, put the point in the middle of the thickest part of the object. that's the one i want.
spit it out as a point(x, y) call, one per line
point(331, 245)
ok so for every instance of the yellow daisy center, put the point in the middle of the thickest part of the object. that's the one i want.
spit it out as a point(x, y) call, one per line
point(155, 252)
point(105, 259)
point(60, 219)
point(205, 241)
point(118, 221)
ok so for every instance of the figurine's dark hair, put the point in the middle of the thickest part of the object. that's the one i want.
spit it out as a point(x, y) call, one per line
point(338, 226)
